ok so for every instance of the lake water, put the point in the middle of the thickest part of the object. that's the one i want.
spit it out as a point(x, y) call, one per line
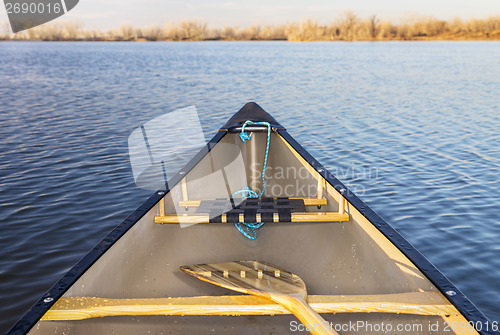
point(412, 127)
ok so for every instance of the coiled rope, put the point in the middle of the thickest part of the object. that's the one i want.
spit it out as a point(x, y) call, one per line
point(246, 228)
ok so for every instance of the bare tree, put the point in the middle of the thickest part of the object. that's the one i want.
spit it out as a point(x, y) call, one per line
point(347, 25)
point(194, 30)
point(374, 29)
point(228, 33)
point(73, 30)
point(127, 33)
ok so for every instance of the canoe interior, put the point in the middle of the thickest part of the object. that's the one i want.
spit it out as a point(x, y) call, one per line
point(333, 258)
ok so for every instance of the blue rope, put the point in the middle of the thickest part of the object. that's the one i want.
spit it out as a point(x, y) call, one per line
point(248, 229)
point(246, 193)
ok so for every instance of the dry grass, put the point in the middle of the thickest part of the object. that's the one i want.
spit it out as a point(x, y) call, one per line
point(346, 27)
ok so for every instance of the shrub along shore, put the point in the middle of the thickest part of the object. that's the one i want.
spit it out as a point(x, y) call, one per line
point(346, 27)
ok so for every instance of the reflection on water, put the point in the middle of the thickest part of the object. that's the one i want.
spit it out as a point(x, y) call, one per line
point(412, 127)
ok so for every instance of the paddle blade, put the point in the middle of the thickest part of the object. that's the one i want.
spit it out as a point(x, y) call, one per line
point(251, 277)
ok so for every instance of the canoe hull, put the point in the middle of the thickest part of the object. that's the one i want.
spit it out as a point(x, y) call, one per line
point(360, 257)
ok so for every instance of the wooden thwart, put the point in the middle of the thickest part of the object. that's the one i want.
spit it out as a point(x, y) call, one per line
point(296, 217)
point(307, 202)
point(416, 303)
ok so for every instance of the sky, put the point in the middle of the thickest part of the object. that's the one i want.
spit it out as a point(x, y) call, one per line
point(106, 14)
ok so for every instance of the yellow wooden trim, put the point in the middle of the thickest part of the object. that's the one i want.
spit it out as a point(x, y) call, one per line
point(184, 189)
point(313, 201)
point(182, 219)
point(416, 303)
point(459, 325)
point(307, 202)
point(161, 207)
point(189, 203)
point(318, 217)
point(321, 185)
point(341, 204)
point(295, 217)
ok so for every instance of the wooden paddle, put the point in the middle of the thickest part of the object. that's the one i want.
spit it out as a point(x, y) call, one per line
point(264, 280)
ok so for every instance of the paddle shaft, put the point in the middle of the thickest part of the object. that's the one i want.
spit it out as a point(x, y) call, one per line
point(313, 322)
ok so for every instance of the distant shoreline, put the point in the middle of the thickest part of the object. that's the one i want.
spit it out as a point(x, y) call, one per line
point(422, 39)
point(260, 40)
point(346, 27)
